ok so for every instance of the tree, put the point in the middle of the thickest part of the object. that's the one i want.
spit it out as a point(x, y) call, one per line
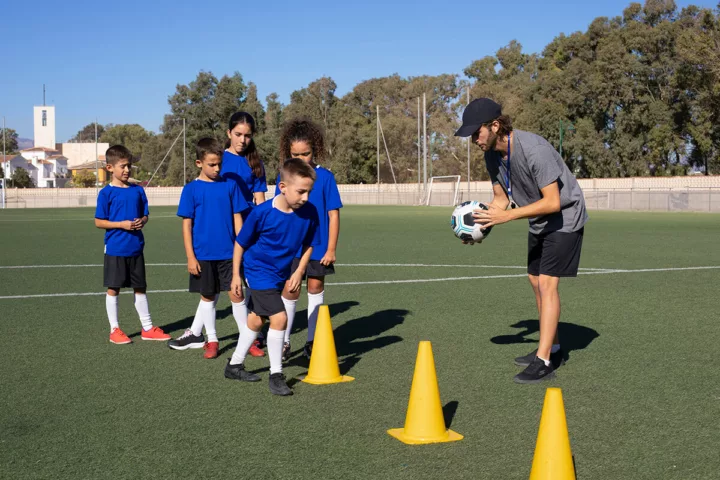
point(11, 140)
point(21, 179)
point(84, 179)
point(132, 136)
point(87, 133)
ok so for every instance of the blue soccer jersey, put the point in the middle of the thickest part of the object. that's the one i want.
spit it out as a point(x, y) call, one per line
point(118, 204)
point(211, 206)
point(271, 238)
point(237, 168)
point(325, 196)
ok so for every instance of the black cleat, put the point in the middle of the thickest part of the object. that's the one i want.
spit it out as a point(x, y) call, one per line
point(557, 359)
point(307, 350)
point(278, 386)
point(187, 340)
point(286, 352)
point(536, 372)
point(238, 372)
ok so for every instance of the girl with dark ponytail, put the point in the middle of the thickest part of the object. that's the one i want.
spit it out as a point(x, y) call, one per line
point(241, 161)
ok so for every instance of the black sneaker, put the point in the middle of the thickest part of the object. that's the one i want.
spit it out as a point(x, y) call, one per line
point(307, 349)
point(536, 372)
point(187, 340)
point(278, 386)
point(557, 359)
point(286, 351)
point(238, 372)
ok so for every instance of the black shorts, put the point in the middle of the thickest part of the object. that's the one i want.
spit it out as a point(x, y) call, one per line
point(314, 268)
point(556, 254)
point(124, 272)
point(265, 303)
point(215, 277)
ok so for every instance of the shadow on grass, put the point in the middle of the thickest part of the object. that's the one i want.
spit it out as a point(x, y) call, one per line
point(449, 412)
point(572, 336)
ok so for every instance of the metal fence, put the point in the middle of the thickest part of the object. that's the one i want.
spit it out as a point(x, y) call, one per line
point(689, 199)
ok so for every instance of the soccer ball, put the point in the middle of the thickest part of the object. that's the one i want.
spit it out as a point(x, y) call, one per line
point(463, 223)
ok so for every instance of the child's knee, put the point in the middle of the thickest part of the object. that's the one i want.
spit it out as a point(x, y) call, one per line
point(278, 321)
point(315, 285)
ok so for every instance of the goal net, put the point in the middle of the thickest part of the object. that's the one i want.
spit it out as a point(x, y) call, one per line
point(443, 191)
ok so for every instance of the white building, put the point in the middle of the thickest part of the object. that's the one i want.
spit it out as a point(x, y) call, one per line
point(46, 166)
point(80, 153)
point(44, 117)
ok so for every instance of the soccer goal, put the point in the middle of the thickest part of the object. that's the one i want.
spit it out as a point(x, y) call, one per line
point(443, 191)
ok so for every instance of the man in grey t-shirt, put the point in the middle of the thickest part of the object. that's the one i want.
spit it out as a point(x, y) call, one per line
point(530, 176)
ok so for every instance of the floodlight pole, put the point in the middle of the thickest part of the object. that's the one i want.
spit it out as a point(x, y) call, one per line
point(5, 167)
point(97, 161)
point(418, 140)
point(424, 143)
point(468, 148)
point(184, 156)
point(377, 121)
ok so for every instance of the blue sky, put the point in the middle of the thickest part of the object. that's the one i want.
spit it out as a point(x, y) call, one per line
point(119, 61)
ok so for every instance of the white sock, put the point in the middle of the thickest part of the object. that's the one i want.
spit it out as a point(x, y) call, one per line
point(314, 301)
point(209, 320)
point(555, 348)
point(290, 309)
point(199, 320)
point(245, 341)
point(143, 310)
point(240, 313)
point(547, 362)
point(275, 339)
point(111, 305)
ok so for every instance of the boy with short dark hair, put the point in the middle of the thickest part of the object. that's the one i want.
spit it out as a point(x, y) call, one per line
point(271, 236)
point(211, 209)
point(122, 211)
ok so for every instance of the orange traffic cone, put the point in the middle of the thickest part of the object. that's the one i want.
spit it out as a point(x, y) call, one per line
point(324, 368)
point(553, 457)
point(424, 422)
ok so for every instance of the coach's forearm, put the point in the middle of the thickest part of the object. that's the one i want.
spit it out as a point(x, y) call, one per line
point(544, 206)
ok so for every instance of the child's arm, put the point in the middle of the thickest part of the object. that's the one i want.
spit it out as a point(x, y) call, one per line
point(296, 278)
point(108, 225)
point(193, 264)
point(236, 284)
point(237, 222)
point(333, 235)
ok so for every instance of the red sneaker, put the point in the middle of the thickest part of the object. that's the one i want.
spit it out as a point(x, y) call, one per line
point(118, 337)
point(211, 350)
point(155, 333)
point(255, 349)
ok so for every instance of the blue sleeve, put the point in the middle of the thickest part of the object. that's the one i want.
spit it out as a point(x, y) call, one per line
point(102, 211)
point(313, 236)
point(249, 232)
point(186, 208)
point(146, 206)
point(277, 185)
point(259, 183)
point(239, 204)
point(332, 194)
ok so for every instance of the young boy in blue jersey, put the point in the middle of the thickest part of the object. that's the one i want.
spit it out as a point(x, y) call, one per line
point(303, 139)
point(122, 210)
point(211, 208)
point(270, 237)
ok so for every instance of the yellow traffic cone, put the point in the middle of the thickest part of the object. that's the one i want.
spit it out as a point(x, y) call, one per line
point(324, 368)
point(424, 422)
point(553, 457)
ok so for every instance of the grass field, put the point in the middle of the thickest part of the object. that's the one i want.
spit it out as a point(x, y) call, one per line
point(641, 388)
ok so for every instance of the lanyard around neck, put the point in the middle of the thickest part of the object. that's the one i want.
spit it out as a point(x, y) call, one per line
point(508, 174)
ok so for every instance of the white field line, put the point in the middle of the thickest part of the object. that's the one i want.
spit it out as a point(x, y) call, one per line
point(389, 282)
point(90, 265)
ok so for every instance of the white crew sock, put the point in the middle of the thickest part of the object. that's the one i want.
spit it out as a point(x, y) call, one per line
point(245, 341)
point(290, 310)
point(209, 319)
point(275, 339)
point(199, 320)
point(555, 348)
point(314, 301)
point(240, 313)
point(111, 305)
point(547, 362)
point(143, 310)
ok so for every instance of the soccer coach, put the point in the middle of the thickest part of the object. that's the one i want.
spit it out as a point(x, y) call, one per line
point(528, 175)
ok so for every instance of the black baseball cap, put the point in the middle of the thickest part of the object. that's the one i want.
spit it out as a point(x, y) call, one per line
point(478, 112)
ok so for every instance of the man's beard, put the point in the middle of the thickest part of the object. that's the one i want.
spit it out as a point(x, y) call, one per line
point(492, 140)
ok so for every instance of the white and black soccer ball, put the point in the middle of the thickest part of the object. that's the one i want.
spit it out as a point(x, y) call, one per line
point(463, 223)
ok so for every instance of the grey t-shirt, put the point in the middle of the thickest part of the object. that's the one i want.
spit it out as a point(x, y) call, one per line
point(534, 164)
